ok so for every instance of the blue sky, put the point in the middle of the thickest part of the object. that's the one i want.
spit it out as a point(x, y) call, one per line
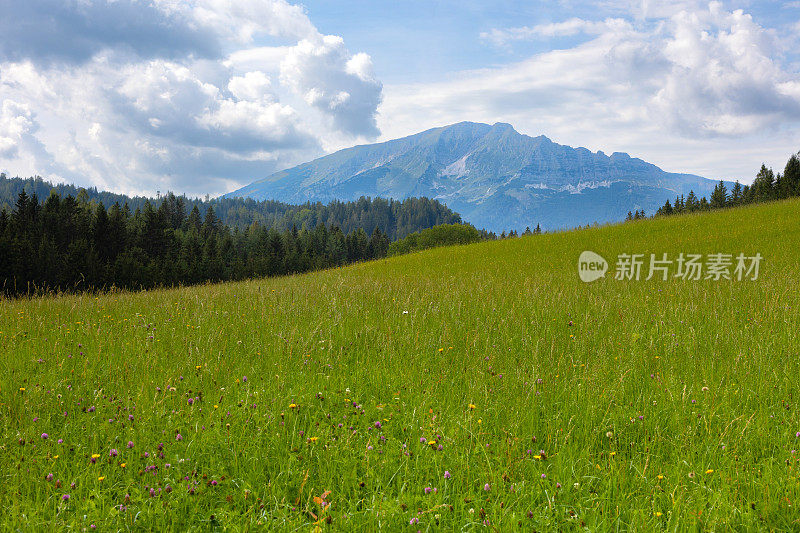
point(203, 96)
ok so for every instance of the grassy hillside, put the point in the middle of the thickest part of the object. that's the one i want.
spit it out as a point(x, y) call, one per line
point(350, 393)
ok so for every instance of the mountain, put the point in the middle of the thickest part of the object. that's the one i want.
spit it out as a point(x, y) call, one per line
point(495, 177)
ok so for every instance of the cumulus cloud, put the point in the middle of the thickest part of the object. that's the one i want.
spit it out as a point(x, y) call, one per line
point(166, 94)
point(75, 30)
point(16, 120)
point(684, 76)
point(333, 81)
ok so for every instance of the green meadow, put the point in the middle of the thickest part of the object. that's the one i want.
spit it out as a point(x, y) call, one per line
point(462, 388)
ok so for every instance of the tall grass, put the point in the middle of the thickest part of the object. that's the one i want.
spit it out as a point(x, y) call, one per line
point(551, 404)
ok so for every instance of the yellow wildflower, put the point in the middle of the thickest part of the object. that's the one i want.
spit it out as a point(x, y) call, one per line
point(101, 478)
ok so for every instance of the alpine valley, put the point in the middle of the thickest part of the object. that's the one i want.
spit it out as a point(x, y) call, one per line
point(494, 176)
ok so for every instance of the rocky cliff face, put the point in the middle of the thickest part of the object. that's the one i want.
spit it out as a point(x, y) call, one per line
point(495, 177)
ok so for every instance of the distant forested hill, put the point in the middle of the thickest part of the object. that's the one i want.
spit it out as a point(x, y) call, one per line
point(396, 219)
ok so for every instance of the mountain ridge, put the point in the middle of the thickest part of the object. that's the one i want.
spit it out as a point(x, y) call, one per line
point(494, 176)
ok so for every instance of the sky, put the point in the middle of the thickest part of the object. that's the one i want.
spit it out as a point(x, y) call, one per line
point(205, 96)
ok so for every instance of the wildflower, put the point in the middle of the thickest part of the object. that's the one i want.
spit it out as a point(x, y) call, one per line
point(60, 441)
point(658, 513)
point(486, 487)
point(113, 452)
point(178, 437)
point(101, 478)
point(22, 389)
point(709, 471)
point(544, 476)
point(472, 406)
point(49, 477)
point(377, 425)
point(65, 497)
point(660, 477)
point(244, 379)
point(609, 434)
point(191, 401)
point(130, 444)
point(123, 465)
point(313, 439)
point(413, 521)
point(704, 389)
point(423, 440)
point(558, 485)
point(214, 482)
point(292, 405)
point(691, 475)
point(428, 490)
point(447, 474)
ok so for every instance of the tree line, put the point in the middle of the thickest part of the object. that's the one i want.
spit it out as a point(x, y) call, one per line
point(394, 218)
point(74, 244)
point(766, 186)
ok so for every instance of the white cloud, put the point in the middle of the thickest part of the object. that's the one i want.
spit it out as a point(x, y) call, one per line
point(16, 121)
point(129, 116)
point(573, 26)
point(338, 84)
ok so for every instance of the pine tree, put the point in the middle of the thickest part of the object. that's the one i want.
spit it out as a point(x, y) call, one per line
point(736, 194)
point(763, 187)
point(692, 204)
point(791, 174)
point(719, 198)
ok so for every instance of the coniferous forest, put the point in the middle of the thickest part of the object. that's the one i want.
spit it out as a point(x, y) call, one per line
point(766, 186)
point(69, 243)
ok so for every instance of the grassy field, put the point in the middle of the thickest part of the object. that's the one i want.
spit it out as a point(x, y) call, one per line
point(481, 386)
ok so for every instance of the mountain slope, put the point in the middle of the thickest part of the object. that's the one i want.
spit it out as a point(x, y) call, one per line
point(492, 175)
point(649, 399)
